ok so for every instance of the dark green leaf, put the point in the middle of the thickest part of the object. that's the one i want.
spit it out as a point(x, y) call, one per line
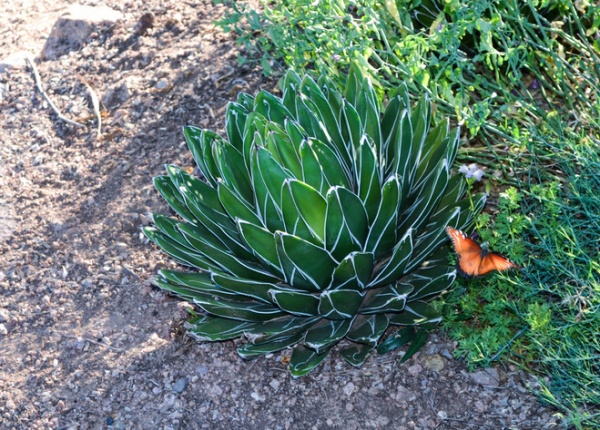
point(353, 272)
point(173, 197)
point(367, 174)
point(224, 258)
point(416, 313)
point(326, 333)
point(368, 329)
point(200, 143)
point(209, 328)
point(339, 304)
point(291, 84)
point(304, 360)
point(356, 354)
point(271, 107)
point(305, 265)
point(311, 206)
point(429, 280)
point(382, 234)
point(395, 266)
point(346, 224)
point(245, 287)
point(398, 339)
point(235, 206)
point(262, 243)
point(235, 123)
point(419, 341)
point(295, 303)
point(387, 299)
point(243, 311)
point(267, 208)
point(182, 254)
point(269, 345)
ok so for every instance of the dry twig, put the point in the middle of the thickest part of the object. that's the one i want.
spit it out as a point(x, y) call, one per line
point(95, 103)
point(38, 82)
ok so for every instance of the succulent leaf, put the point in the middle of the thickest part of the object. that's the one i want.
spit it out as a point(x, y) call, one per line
point(214, 328)
point(356, 354)
point(387, 299)
point(304, 360)
point(326, 333)
point(346, 222)
point(262, 243)
point(339, 304)
point(296, 303)
point(304, 264)
point(353, 272)
point(368, 329)
point(382, 235)
point(270, 344)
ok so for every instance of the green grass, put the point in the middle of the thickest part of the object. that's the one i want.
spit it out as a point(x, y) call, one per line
point(524, 81)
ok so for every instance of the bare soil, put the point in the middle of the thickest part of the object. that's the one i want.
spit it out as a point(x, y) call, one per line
point(86, 342)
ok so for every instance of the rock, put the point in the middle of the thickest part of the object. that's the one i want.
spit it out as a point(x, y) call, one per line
point(145, 23)
point(72, 29)
point(3, 330)
point(488, 377)
point(180, 385)
point(403, 394)
point(4, 315)
point(257, 397)
point(415, 369)
point(163, 85)
point(202, 369)
point(444, 352)
point(116, 95)
point(349, 388)
point(274, 384)
point(433, 362)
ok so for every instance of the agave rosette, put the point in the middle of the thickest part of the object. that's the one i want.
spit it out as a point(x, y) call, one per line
point(320, 218)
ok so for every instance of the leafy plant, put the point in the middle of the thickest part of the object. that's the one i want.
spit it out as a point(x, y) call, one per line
point(322, 219)
point(523, 78)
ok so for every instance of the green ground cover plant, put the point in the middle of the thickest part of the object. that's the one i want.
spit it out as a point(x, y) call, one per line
point(523, 79)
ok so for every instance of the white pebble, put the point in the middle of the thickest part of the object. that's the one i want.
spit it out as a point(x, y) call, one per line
point(349, 388)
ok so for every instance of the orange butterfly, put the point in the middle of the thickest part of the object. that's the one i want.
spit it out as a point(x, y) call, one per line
point(473, 260)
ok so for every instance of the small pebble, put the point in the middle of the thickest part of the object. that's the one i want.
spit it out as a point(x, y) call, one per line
point(180, 384)
point(349, 388)
point(274, 384)
point(488, 377)
point(415, 369)
point(162, 84)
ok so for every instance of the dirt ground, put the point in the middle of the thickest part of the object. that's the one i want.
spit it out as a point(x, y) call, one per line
point(86, 342)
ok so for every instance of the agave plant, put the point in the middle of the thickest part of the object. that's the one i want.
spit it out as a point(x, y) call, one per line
point(320, 219)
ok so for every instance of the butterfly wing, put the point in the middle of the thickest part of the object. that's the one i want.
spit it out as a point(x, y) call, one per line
point(468, 251)
point(493, 261)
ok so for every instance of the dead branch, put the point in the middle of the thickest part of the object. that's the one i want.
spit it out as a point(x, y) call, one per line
point(38, 82)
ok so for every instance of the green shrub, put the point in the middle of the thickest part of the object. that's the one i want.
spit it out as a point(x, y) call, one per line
point(322, 219)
